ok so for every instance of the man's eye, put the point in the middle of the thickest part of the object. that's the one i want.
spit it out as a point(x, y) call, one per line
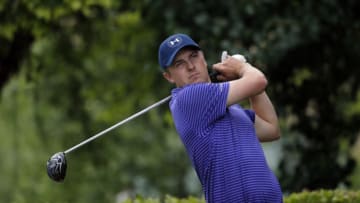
point(194, 54)
point(179, 64)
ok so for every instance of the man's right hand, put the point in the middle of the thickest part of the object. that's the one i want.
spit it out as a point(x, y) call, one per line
point(230, 69)
point(245, 80)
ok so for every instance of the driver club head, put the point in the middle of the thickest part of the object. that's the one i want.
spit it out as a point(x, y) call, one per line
point(56, 167)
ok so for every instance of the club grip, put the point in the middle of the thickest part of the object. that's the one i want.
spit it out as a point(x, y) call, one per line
point(213, 75)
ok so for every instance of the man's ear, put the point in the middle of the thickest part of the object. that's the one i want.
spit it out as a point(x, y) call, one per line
point(168, 77)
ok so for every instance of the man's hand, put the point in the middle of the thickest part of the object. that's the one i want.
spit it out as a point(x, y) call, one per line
point(231, 69)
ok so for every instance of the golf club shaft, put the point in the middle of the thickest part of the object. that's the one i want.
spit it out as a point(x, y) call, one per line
point(118, 124)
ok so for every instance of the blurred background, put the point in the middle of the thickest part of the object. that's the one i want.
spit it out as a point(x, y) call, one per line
point(71, 68)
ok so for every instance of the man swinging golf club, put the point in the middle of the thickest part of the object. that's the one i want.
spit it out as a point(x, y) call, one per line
point(221, 138)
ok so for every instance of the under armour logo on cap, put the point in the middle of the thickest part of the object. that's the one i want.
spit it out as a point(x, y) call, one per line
point(171, 46)
point(174, 42)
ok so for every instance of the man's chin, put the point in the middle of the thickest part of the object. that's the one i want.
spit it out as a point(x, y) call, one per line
point(197, 80)
point(201, 80)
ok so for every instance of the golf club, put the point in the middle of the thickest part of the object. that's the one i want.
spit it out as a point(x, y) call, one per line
point(224, 55)
point(56, 165)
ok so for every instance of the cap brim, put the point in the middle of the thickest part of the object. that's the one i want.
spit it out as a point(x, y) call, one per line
point(172, 56)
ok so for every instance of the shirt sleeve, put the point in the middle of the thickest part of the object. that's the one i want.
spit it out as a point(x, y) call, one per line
point(250, 114)
point(203, 103)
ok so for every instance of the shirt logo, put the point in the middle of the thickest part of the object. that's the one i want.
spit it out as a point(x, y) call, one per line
point(174, 42)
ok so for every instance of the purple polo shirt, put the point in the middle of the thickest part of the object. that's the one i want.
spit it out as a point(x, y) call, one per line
point(222, 145)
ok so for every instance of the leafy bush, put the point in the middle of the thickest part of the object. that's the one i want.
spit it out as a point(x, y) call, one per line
point(168, 199)
point(319, 196)
point(324, 196)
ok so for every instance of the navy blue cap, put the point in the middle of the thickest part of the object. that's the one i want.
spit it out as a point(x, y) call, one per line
point(171, 46)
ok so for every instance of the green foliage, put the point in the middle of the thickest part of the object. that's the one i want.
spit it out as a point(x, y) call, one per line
point(167, 199)
point(319, 196)
point(82, 73)
point(324, 196)
point(71, 68)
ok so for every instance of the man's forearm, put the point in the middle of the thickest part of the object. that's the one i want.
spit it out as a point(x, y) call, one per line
point(264, 108)
point(267, 125)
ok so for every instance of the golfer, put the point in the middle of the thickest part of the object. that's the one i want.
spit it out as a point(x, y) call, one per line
point(221, 138)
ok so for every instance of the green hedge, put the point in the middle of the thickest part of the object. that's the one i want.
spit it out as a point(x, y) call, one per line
point(324, 196)
point(319, 196)
point(168, 199)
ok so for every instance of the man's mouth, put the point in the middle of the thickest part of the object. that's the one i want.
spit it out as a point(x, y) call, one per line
point(194, 76)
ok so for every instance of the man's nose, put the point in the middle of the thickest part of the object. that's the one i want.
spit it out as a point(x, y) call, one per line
point(190, 65)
